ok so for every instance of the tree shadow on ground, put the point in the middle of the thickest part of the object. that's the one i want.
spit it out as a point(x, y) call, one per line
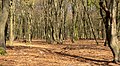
point(78, 47)
point(18, 47)
point(83, 59)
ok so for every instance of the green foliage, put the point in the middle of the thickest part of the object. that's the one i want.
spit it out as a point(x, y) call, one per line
point(2, 51)
point(93, 3)
point(118, 17)
point(90, 2)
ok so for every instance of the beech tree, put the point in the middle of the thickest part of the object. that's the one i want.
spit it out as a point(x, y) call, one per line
point(3, 20)
point(110, 9)
point(12, 10)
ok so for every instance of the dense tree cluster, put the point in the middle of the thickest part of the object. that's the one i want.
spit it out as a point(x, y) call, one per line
point(58, 20)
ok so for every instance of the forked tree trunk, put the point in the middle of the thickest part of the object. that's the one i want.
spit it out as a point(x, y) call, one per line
point(3, 19)
point(112, 39)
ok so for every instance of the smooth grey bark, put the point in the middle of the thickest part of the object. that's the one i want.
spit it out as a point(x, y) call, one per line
point(3, 20)
point(12, 7)
point(115, 47)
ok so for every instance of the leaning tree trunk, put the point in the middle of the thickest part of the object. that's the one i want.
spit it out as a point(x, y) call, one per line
point(3, 19)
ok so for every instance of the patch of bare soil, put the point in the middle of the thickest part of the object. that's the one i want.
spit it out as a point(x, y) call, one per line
point(39, 53)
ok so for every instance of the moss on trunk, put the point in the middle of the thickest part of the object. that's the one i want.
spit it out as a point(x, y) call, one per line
point(2, 51)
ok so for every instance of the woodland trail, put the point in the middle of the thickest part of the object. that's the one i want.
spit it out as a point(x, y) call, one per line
point(39, 53)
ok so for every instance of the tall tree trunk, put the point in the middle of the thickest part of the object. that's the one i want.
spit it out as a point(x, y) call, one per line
point(30, 20)
point(11, 21)
point(106, 19)
point(3, 20)
point(114, 40)
point(111, 12)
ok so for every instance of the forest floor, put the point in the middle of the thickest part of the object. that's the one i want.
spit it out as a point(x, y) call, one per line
point(39, 53)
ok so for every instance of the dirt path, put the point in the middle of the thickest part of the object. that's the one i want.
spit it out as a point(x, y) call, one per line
point(39, 53)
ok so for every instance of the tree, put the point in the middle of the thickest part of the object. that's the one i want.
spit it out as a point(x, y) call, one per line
point(106, 19)
point(115, 47)
point(111, 27)
point(3, 20)
point(12, 8)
